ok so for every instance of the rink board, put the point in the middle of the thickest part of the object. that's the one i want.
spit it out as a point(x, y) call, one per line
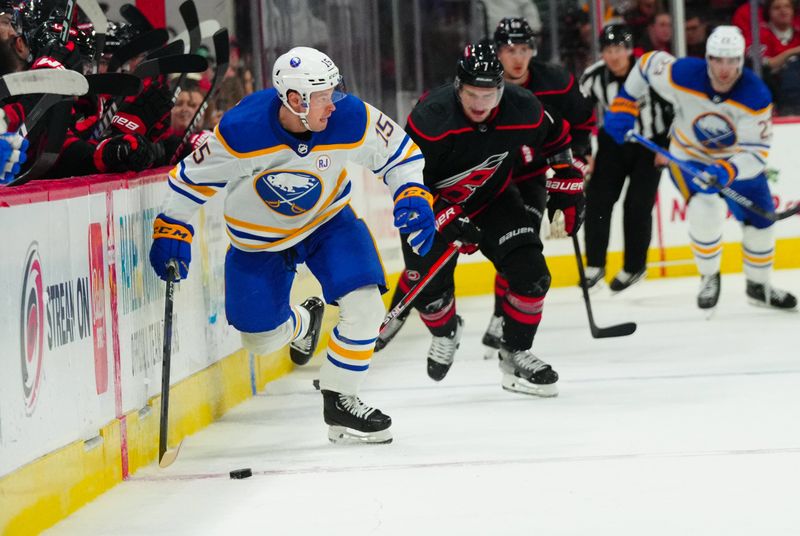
point(80, 382)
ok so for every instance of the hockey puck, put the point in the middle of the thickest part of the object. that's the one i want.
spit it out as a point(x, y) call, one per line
point(238, 474)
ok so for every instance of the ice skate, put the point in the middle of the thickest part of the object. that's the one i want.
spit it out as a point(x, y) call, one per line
point(391, 329)
point(624, 280)
point(525, 373)
point(708, 295)
point(302, 350)
point(778, 299)
point(442, 350)
point(491, 339)
point(595, 278)
point(350, 421)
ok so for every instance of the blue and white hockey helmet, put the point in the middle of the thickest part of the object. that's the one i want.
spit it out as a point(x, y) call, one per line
point(306, 71)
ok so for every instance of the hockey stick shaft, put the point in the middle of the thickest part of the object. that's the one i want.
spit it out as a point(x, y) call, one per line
point(696, 174)
point(618, 330)
point(172, 276)
point(67, 23)
point(60, 81)
point(403, 304)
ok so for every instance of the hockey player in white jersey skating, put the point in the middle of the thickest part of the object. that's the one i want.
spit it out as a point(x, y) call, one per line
point(723, 125)
point(281, 155)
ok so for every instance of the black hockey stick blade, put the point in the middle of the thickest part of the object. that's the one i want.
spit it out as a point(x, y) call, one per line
point(131, 13)
point(618, 330)
point(51, 139)
point(151, 40)
point(182, 63)
point(115, 84)
point(172, 48)
point(42, 106)
point(222, 54)
point(192, 22)
point(57, 81)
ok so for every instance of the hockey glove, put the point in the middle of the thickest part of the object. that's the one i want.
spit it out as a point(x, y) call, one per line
point(719, 174)
point(172, 241)
point(13, 149)
point(147, 112)
point(453, 224)
point(565, 193)
point(413, 216)
point(129, 152)
point(621, 116)
point(53, 55)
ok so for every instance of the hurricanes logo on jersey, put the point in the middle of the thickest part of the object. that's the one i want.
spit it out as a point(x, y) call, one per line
point(289, 192)
point(714, 131)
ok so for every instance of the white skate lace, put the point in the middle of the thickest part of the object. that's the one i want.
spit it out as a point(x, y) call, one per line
point(528, 361)
point(442, 350)
point(708, 286)
point(495, 328)
point(355, 406)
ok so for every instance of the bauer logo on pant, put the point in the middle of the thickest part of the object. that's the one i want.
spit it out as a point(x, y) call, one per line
point(288, 192)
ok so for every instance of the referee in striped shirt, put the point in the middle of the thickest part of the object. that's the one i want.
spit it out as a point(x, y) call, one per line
point(614, 163)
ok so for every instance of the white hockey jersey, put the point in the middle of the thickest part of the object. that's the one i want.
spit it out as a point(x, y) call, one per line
point(281, 188)
point(736, 126)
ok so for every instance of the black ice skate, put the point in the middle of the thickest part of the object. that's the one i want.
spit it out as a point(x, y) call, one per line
point(778, 299)
point(492, 337)
point(442, 350)
point(302, 350)
point(525, 373)
point(352, 421)
point(595, 278)
point(624, 279)
point(708, 295)
point(391, 329)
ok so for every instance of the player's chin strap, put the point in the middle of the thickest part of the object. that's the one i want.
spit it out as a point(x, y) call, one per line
point(697, 177)
point(301, 115)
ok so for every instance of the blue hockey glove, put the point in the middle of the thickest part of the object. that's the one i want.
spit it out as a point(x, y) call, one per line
point(172, 241)
point(621, 116)
point(720, 174)
point(413, 216)
point(13, 149)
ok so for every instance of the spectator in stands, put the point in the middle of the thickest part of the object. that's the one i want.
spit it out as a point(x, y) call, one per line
point(658, 35)
point(641, 16)
point(181, 115)
point(780, 48)
point(576, 39)
point(526, 9)
point(696, 28)
point(231, 91)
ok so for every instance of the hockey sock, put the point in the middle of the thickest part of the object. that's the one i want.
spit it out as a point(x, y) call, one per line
point(758, 253)
point(500, 289)
point(706, 214)
point(440, 316)
point(301, 320)
point(522, 315)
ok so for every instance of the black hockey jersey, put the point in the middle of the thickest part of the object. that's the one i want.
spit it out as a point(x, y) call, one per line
point(470, 164)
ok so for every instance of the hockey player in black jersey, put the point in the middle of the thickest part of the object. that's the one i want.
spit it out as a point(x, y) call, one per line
point(557, 90)
point(470, 135)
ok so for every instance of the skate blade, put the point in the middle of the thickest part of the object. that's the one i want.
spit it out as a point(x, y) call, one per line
point(490, 353)
point(708, 314)
point(518, 385)
point(342, 435)
point(763, 305)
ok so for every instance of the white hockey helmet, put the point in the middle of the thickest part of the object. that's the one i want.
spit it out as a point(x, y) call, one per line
point(306, 70)
point(726, 42)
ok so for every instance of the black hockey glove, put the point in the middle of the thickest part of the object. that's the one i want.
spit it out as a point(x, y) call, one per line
point(453, 224)
point(129, 152)
point(565, 193)
point(51, 54)
point(148, 111)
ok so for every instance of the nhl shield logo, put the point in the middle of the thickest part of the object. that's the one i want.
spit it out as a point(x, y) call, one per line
point(289, 192)
point(714, 131)
point(302, 148)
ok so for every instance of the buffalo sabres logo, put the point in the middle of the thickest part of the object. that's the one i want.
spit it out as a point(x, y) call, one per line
point(714, 131)
point(289, 192)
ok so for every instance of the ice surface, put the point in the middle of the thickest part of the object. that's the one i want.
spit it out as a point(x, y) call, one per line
point(687, 427)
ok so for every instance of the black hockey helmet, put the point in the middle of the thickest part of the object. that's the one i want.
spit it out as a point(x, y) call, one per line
point(514, 31)
point(118, 35)
point(616, 34)
point(479, 66)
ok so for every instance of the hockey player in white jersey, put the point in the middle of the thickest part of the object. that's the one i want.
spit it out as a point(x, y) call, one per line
point(723, 125)
point(281, 155)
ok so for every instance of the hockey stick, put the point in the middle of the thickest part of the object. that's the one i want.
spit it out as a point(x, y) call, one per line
point(51, 140)
point(170, 49)
point(697, 174)
point(145, 42)
point(55, 81)
point(115, 84)
point(222, 53)
point(192, 22)
point(133, 15)
point(99, 22)
point(167, 457)
point(618, 330)
point(207, 29)
point(66, 24)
